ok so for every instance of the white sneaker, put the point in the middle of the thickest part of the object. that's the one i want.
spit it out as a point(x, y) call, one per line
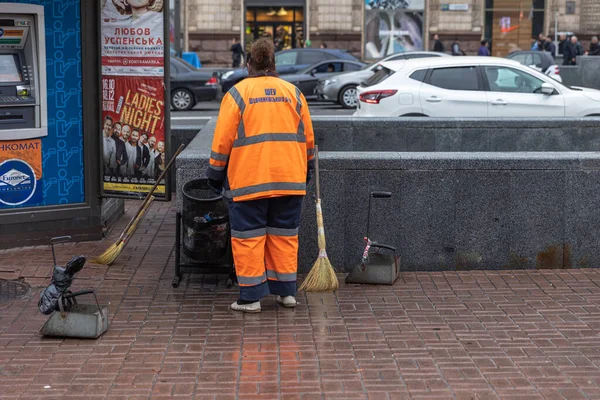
point(287, 301)
point(249, 308)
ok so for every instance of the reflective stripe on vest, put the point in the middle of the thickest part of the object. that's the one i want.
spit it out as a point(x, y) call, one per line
point(265, 187)
point(281, 277)
point(242, 105)
point(269, 137)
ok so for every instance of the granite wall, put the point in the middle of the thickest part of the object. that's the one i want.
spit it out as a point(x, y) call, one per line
point(467, 203)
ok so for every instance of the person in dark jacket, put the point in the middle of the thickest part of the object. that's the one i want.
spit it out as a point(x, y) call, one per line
point(569, 53)
point(438, 45)
point(594, 47)
point(236, 53)
point(561, 43)
point(456, 50)
point(549, 46)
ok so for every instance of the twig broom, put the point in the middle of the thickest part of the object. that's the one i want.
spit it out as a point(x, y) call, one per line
point(110, 255)
point(322, 277)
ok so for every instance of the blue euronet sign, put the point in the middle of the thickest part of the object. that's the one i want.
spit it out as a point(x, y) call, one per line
point(17, 182)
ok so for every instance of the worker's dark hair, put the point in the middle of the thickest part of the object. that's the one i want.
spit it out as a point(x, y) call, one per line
point(483, 42)
point(262, 57)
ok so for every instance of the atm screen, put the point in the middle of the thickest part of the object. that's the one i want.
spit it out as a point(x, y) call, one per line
point(9, 72)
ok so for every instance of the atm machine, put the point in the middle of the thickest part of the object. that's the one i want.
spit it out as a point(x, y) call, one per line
point(23, 111)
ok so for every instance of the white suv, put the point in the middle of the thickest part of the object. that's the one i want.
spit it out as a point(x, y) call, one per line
point(470, 87)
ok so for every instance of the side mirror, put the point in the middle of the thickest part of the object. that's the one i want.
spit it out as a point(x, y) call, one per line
point(313, 72)
point(547, 88)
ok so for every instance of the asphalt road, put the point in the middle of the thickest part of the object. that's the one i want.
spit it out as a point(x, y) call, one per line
point(204, 111)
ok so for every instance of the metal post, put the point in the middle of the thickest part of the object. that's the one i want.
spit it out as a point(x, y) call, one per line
point(556, 34)
point(186, 44)
point(177, 28)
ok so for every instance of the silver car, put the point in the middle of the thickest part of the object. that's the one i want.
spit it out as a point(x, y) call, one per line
point(342, 88)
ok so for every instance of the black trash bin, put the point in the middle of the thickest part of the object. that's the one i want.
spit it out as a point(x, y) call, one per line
point(205, 223)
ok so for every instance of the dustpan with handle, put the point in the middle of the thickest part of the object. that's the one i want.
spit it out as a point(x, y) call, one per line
point(77, 320)
point(381, 267)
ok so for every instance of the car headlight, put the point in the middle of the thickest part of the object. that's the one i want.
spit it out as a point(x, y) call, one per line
point(329, 81)
point(227, 75)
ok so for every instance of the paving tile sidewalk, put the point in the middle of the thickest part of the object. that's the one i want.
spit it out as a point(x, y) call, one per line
point(465, 335)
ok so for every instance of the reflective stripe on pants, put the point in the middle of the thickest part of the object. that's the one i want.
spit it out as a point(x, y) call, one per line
point(265, 245)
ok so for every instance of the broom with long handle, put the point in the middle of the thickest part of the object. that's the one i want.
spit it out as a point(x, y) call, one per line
point(322, 277)
point(110, 255)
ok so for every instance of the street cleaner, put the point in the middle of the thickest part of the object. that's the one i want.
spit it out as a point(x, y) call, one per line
point(261, 161)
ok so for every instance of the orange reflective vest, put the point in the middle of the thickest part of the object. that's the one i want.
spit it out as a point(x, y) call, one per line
point(263, 140)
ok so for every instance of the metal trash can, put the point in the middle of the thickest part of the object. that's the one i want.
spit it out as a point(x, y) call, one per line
point(205, 223)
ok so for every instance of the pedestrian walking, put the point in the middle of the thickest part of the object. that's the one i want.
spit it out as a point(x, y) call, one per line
point(438, 46)
point(549, 46)
point(236, 53)
point(594, 47)
point(483, 49)
point(261, 161)
point(456, 50)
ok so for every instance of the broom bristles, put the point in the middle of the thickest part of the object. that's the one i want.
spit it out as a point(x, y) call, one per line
point(321, 278)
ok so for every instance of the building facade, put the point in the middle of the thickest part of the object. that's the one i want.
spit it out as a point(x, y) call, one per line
point(370, 29)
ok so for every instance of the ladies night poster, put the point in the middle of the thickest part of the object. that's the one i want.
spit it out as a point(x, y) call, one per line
point(133, 97)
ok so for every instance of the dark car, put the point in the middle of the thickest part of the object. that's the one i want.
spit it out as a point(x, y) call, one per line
point(190, 85)
point(307, 79)
point(289, 62)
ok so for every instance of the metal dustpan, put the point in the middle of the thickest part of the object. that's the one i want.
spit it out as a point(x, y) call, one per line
point(376, 268)
point(74, 320)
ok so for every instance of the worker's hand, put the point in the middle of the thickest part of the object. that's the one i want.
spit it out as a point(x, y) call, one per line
point(216, 186)
point(309, 174)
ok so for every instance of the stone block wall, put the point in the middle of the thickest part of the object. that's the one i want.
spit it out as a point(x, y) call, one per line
point(461, 201)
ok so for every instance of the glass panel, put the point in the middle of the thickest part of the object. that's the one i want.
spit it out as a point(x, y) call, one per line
point(419, 75)
point(275, 14)
point(288, 58)
point(351, 67)
point(462, 78)
point(283, 37)
point(510, 80)
point(512, 24)
point(378, 77)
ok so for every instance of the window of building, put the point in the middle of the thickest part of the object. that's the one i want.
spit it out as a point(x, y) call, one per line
point(508, 80)
point(284, 25)
point(456, 78)
point(512, 25)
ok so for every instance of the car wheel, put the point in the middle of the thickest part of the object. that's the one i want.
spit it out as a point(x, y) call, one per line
point(182, 99)
point(347, 97)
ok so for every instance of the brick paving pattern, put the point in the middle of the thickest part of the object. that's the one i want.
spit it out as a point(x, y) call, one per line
point(459, 335)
